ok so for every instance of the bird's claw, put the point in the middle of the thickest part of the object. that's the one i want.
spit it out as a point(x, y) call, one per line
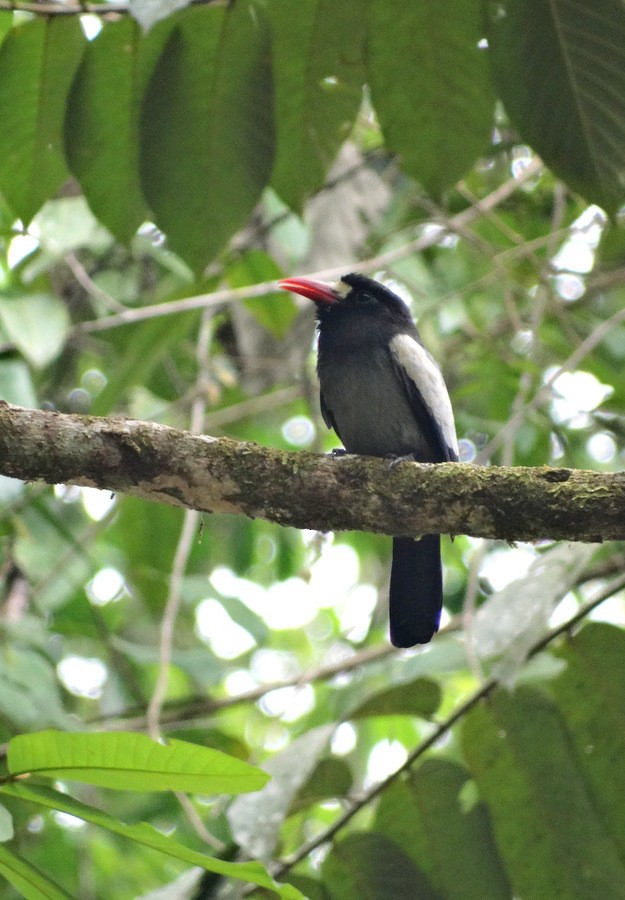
point(393, 460)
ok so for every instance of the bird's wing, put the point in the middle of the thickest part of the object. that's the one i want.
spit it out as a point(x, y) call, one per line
point(427, 392)
point(328, 418)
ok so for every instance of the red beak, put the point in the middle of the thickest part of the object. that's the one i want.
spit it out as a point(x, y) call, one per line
point(319, 291)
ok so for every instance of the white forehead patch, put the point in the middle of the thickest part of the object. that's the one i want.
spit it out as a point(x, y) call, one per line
point(342, 289)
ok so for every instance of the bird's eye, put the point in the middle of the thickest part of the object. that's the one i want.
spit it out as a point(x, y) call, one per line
point(366, 299)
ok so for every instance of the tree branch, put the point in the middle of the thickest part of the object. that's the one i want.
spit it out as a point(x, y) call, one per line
point(306, 490)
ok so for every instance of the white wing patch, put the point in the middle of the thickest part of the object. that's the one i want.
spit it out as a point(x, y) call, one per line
point(423, 371)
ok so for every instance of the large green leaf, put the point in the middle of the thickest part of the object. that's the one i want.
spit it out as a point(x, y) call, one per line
point(420, 697)
point(372, 867)
point(545, 821)
point(143, 833)
point(271, 311)
point(430, 86)
point(207, 127)
point(102, 127)
point(319, 73)
point(425, 815)
point(131, 762)
point(559, 68)
point(590, 695)
point(28, 880)
point(37, 63)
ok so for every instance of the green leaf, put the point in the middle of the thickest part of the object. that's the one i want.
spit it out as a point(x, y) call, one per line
point(29, 691)
point(271, 311)
point(36, 323)
point(6, 824)
point(6, 23)
point(144, 345)
point(37, 63)
point(131, 762)
point(364, 866)
point(546, 824)
point(420, 697)
point(331, 777)
point(207, 127)
point(454, 846)
point(589, 693)
point(67, 224)
point(252, 872)
point(31, 883)
point(15, 383)
point(430, 86)
point(319, 73)
point(102, 127)
point(559, 68)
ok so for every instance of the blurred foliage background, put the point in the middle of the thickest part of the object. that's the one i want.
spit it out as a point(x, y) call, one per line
point(148, 161)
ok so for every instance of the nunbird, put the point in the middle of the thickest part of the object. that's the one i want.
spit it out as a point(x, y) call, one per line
point(384, 395)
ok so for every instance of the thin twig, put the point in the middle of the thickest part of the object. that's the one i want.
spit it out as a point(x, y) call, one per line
point(85, 280)
point(183, 550)
point(587, 346)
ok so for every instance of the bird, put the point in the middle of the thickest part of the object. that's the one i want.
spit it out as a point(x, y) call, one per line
point(384, 395)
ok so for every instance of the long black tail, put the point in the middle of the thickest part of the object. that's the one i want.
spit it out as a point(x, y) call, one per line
point(416, 592)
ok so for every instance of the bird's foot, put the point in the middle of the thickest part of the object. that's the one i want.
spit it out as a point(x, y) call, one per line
point(393, 459)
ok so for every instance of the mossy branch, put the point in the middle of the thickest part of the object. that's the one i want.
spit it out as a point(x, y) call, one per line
point(306, 490)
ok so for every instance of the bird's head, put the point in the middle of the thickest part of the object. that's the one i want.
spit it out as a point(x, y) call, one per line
point(353, 295)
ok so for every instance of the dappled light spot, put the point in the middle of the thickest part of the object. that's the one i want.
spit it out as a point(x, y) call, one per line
point(298, 431)
point(83, 676)
point(385, 758)
point(343, 740)
point(97, 504)
point(225, 637)
point(601, 447)
point(507, 564)
point(105, 586)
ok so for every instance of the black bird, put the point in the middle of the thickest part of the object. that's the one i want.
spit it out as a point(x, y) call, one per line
point(384, 395)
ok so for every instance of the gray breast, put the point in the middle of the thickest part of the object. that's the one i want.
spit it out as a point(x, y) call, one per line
point(368, 404)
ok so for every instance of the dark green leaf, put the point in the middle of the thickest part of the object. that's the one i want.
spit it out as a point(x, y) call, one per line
point(207, 132)
point(453, 844)
point(590, 695)
point(102, 127)
point(372, 867)
point(37, 63)
point(131, 762)
point(420, 697)
point(331, 777)
point(319, 73)
point(545, 821)
point(430, 86)
point(28, 880)
point(559, 68)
